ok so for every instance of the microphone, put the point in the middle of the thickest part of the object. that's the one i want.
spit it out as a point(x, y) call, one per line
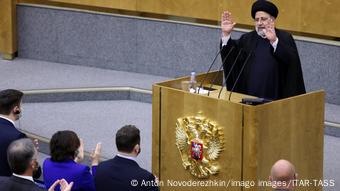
point(238, 77)
point(231, 69)
point(206, 74)
point(255, 101)
point(216, 75)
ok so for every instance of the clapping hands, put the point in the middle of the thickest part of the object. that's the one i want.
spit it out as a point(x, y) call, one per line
point(64, 186)
point(95, 155)
point(80, 155)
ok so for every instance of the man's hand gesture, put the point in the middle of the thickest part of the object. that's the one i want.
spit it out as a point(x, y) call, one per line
point(270, 32)
point(227, 23)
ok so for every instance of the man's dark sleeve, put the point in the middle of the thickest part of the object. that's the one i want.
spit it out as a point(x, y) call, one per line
point(153, 179)
point(228, 55)
point(290, 66)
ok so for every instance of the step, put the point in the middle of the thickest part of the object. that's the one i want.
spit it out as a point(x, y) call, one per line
point(26, 74)
point(332, 119)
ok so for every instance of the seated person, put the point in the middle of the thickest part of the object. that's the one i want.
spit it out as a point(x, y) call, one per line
point(283, 175)
point(22, 158)
point(66, 151)
point(122, 172)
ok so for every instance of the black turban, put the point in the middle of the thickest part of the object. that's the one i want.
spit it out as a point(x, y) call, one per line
point(266, 6)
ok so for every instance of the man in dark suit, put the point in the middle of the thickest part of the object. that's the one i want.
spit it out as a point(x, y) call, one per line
point(267, 59)
point(22, 158)
point(122, 172)
point(10, 110)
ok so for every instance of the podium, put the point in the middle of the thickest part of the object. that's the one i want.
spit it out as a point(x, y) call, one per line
point(250, 138)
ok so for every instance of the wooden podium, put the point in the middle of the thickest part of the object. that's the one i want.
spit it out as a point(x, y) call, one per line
point(255, 137)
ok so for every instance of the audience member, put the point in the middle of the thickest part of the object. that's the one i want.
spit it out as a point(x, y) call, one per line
point(22, 158)
point(10, 110)
point(122, 172)
point(283, 176)
point(66, 150)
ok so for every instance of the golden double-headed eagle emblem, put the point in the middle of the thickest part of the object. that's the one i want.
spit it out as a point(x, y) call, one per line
point(200, 142)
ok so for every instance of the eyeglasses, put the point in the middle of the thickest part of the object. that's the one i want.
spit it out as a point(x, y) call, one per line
point(263, 19)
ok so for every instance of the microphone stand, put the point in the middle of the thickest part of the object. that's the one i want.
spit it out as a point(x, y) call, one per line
point(206, 74)
point(231, 69)
point(238, 77)
point(223, 62)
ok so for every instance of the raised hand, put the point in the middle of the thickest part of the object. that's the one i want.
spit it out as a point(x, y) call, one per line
point(270, 33)
point(227, 23)
point(36, 143)
point(64, 186)
point(95, 155)
point(80, 155)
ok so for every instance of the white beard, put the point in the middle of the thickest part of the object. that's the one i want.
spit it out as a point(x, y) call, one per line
point(261, 32)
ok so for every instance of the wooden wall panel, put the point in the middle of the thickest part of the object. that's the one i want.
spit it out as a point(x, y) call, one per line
point(156, 107)
point(7, 28)
point(315, 17)
point(240, 11)
point(289, 18)
point(321, 17)
point(318, 17)
point(116, 4)
point(185, 8)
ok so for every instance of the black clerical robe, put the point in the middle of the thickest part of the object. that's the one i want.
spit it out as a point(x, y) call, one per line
point(265, 74)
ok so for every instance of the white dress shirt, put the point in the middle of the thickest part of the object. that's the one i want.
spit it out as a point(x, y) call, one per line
point(126, 157)
point(3, 117)
point(30, 178)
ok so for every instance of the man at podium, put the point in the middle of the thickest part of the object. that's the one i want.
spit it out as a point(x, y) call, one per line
point(264, 62)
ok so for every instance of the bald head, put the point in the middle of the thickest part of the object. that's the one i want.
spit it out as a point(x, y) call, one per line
point(283, 171)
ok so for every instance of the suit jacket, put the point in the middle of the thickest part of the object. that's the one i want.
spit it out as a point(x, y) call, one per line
point(119, 173)
point(71, 171)
point(286, 57)
point(8, 134)
point(14, 183)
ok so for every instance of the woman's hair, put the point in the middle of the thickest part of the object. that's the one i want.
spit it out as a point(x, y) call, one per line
point(64, 145)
